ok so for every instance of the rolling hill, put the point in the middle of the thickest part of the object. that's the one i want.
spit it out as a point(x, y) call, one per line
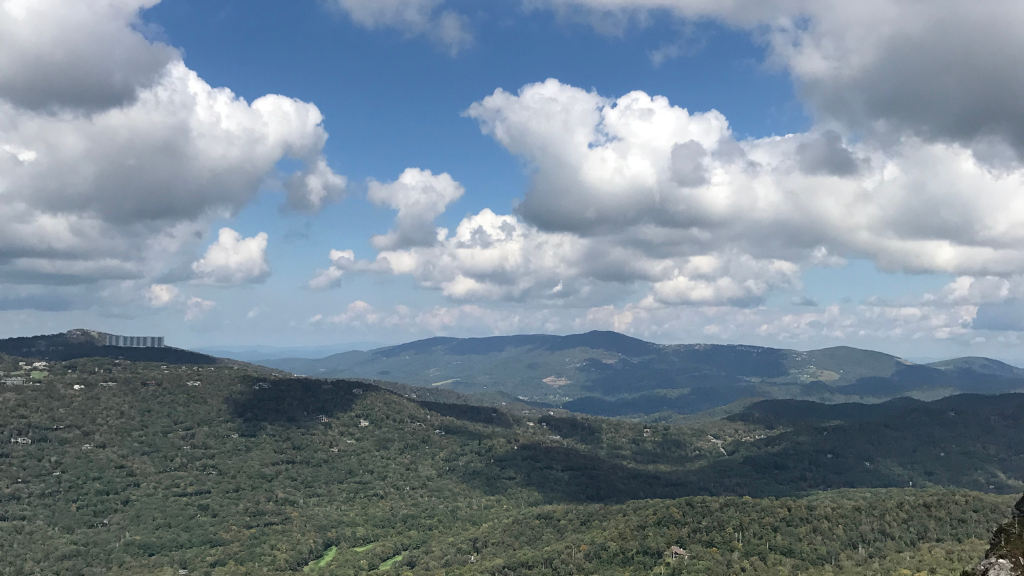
point(610, 374)
point(81, 343)
point(118, 467)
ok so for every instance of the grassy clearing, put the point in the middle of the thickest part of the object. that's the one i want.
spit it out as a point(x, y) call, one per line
point(363, 548)
point(322, 561)
point(389, 563)
point(39, 375)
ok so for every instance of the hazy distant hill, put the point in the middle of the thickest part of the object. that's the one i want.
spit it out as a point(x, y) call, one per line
point(258, 353)
point(610, 374)
point(980, 365)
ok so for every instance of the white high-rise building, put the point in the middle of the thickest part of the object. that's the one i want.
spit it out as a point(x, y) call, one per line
point(135, 341)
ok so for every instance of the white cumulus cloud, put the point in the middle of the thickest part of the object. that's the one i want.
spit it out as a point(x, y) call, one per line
point(499, 257)
point(196, 308)
point(420, 197)
point(234, 260)
point(341, 261)
point(115, 158)
point(160, 295)
point(714, 280)
point(312, 188)
point(639, 164)
point(636, 192)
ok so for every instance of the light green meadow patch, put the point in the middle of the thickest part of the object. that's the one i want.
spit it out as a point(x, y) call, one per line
point(363, 548)
point(323, 560)
point(389, 563)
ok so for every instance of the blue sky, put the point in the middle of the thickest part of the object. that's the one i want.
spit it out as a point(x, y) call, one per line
point(841, 194)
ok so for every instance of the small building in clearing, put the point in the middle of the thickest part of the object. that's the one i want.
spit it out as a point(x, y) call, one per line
point(677, 552)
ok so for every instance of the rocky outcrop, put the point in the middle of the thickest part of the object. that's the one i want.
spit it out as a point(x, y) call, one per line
point(1005, 556)
point(992, 567)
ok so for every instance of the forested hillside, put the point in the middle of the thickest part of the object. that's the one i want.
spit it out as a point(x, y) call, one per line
point(610, 374)
point(90, 344)
point(115, 467)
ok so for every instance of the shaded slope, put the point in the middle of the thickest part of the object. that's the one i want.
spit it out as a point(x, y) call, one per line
point(774, 413)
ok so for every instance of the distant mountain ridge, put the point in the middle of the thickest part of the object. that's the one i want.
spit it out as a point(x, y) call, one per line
point(980, 365)
point(611, 374)
point(257, 353)
point(603, 373)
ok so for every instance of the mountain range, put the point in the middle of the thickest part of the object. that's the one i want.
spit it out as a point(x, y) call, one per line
point(258, 353)
point(601, 373)
point(122, 466)
point(611, 374)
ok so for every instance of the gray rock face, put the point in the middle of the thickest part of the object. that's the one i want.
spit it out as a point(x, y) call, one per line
point(1018, 508)
point(994, 567)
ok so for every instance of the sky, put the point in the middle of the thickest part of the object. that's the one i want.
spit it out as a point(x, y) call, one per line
point(788, 173)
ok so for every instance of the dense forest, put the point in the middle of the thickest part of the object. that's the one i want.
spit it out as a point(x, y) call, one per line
point(115, 467)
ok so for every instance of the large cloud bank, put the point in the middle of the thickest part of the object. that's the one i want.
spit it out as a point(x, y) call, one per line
point(115, 157)
point(914, 163)
point(637, 191)
point(944, 70)
point(939, 70)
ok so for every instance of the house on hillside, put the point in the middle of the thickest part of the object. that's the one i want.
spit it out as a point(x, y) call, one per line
point(676, 552)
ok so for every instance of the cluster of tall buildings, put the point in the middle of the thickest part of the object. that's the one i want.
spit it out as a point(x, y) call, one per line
point(135, 341)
